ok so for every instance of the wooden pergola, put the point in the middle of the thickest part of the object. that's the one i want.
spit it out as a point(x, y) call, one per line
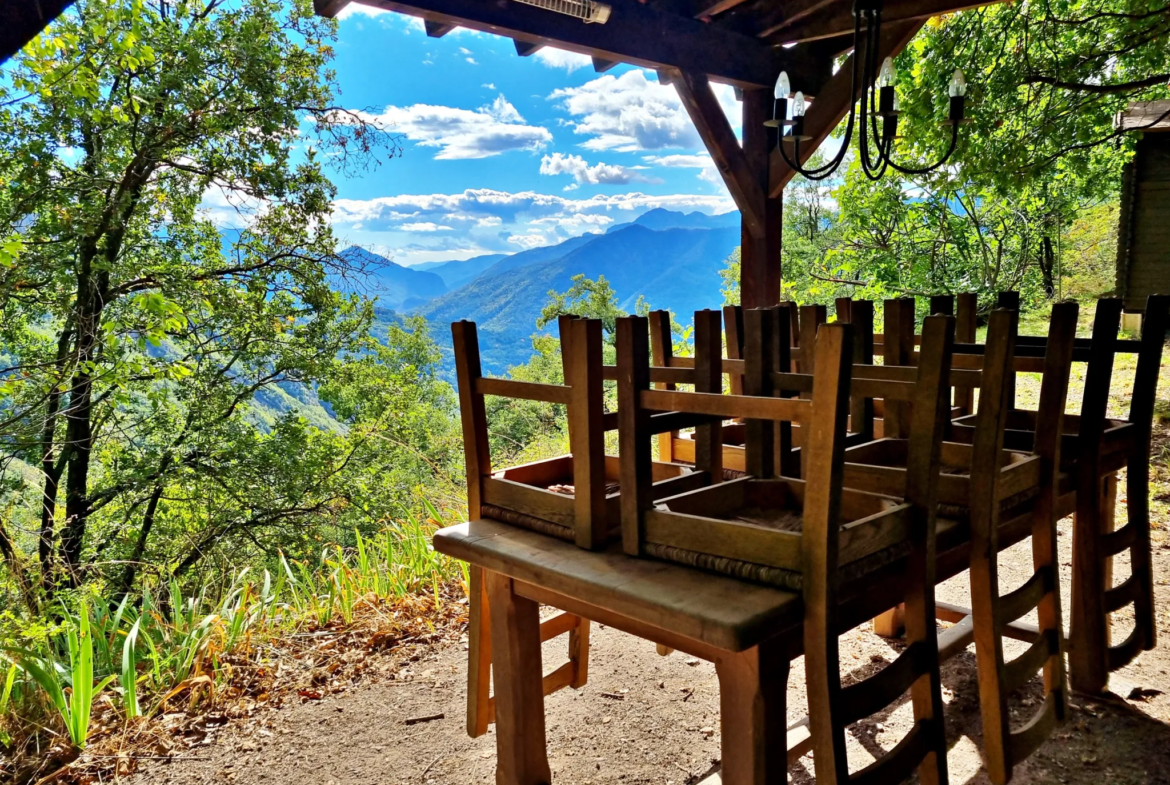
point(745, 43)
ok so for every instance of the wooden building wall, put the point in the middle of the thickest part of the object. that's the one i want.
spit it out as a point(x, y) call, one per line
point(1143, 243)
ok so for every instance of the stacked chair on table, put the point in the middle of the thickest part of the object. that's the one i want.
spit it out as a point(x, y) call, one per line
point(825, 474)
point(573, 497)
point(811, 535)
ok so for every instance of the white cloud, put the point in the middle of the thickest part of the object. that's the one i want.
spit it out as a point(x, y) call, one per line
point(424, 226)
point(360, 9)
point(629, 113)
point(701, 161)
point(489, 85)
point(475, 205)
point(559, 58)
point(582, 172)
point(464, 133)
point(527, 241)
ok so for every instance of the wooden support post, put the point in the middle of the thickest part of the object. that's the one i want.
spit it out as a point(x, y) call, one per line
point(522, 758)
point(753, 686)
point(760, 266)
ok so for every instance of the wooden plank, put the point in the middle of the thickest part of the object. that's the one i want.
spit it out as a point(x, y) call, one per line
point(714, 610)
point(436, 29)
point(479, 655)
point(635, 33)
point(725, 406)
point(759, 442)
point(837, 19)
point(529, 391)
point(726, 539)
point(537, 502)
point(694, 90)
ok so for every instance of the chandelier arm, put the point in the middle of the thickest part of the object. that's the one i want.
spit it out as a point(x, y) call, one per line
point(926, 170)
point(874, 170)
point(826, 170)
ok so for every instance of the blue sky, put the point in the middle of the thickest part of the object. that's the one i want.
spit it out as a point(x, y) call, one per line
point(503, 153)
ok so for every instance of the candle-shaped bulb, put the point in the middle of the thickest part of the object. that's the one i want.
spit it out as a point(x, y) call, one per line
point(798, 104)
point(783, 87)
point(886, 75)
point(958, 86)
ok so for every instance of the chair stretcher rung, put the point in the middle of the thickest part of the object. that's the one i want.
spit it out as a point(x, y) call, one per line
point(1015, 604)
point(1022, 669)
point(1124, 653)
point(1114, 543)
point(883, 688)
point(1120, 596)
point(558, 625)
point(1027, 739)
point(899, 763)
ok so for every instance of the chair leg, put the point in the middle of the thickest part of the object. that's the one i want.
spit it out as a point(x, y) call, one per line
point(753, 688)
point(481, 710)
point(522, 757)
point(1089, 632)
point(890, 624)
point(479, 656)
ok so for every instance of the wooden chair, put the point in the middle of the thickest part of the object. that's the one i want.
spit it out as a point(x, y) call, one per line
point(1094, 448)
point(1003, 747)
point(811, 535)
point(572, 497)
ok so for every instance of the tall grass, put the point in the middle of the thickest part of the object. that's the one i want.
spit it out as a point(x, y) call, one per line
point(166, 641)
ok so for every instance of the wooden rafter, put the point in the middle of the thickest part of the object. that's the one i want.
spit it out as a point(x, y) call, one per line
point(714, 129)
point(834, 101)
point(635, 33)
point(836, 19)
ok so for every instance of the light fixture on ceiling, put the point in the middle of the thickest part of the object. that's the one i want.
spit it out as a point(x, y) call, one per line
point(879, 102)
point(587, 11)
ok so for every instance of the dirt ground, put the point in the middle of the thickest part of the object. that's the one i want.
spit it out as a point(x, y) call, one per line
point(665, 726)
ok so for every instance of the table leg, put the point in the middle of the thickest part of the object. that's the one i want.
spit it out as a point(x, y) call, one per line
point(753, 686)
point(522, 758)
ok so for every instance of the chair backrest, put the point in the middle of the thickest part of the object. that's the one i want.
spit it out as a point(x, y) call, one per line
point(584, 513)
point(638, 403)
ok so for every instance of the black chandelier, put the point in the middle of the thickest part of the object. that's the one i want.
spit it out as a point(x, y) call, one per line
point(879, 102)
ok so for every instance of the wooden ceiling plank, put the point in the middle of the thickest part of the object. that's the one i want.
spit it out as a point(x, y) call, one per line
point(715, 130)
point(635, 33)
point(833, 103)
point(836, 19)
point(786, 15)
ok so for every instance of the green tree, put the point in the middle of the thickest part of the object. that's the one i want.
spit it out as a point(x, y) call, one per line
point(137, 333)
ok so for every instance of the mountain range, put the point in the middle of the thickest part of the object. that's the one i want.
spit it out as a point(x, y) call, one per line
point(670, 258)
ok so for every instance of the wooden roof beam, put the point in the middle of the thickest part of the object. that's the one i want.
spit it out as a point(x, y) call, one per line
point(831, 20)
point(635, 33)
point(601, 66)
point(833, 103)
point(436, 29)
point(715, 130)
point(524, 49)
point(22, 20)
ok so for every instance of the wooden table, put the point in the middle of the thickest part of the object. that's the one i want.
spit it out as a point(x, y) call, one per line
point(750, 632)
